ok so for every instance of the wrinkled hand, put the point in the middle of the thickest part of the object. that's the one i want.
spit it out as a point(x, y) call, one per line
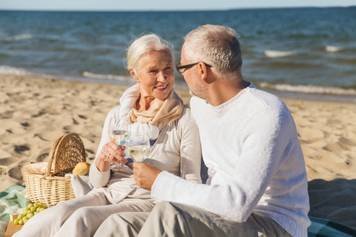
point(110, 154)
point(145, 175)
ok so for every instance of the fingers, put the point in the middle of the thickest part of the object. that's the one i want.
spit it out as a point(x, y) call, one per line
point(137, 180)
point(138, 167)
point(113, 153)
point(137, 173)
point(145, 175)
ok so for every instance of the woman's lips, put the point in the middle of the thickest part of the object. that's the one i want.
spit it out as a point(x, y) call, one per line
point(161, 88)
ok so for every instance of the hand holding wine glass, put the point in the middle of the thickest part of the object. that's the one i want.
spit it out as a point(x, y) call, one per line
point(113, 153)
point(145, 175)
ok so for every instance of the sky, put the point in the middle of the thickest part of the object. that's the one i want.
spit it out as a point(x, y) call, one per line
point(139, 5)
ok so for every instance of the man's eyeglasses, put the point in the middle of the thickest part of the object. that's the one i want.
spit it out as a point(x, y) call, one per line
point(183, 68)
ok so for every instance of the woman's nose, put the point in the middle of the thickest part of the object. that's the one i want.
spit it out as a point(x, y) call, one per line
point(161, 76)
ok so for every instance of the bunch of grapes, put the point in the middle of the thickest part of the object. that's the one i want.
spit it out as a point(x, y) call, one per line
point(31, 210)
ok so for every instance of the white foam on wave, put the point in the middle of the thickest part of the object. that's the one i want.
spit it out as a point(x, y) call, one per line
point(278, 54)
point(332, 49)
point(104, 76)
point(309, 89)
point(13, 71)
point(19, 37)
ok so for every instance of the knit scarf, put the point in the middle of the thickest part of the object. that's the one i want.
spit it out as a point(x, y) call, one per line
point(160, 113)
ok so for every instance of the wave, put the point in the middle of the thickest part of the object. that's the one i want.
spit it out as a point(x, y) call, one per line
point(104, 76)
point(278, 54)
point(18, 37)
point(332, 49)
point(309, 89)
point(13, 71)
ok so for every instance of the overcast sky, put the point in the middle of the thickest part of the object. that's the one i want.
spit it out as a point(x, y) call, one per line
point(162, 4)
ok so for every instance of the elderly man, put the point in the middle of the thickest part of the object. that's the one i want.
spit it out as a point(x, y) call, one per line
point(257, 182)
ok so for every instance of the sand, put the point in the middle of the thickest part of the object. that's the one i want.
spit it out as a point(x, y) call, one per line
point(35, 110)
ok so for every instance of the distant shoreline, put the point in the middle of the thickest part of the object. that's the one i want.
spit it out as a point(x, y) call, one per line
point(170, 10)
point(180, 85)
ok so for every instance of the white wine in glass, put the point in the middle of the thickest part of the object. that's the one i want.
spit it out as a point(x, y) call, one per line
point(138, 147)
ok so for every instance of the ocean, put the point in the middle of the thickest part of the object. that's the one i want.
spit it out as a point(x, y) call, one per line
point(308, 50)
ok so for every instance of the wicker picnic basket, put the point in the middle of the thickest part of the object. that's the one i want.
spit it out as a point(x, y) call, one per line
point(46, 182)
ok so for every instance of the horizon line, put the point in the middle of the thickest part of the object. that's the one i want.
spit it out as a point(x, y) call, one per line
point(173, 10)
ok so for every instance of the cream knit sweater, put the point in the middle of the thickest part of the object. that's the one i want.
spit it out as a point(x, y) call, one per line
point(255, 162)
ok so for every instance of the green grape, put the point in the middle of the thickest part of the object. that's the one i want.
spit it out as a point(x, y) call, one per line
point(40, 209)
point(16, 222)
point(29, 215)
point(33, 209)
point(20, 222)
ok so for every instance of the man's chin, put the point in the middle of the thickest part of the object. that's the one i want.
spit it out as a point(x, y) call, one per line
point(194, 94)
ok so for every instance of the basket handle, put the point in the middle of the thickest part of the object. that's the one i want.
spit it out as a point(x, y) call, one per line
point(67, 151)
point(52, 155)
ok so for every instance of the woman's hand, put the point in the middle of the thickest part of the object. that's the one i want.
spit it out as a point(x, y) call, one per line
point(110, 154)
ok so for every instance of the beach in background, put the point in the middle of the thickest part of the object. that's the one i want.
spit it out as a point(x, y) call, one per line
point(36, 110)
point(62, 72)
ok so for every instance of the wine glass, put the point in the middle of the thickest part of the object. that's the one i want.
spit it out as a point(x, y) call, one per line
point(138, 147)
point(119, 136)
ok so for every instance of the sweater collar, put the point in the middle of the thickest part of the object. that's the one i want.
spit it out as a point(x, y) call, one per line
point(221, 107)
point(127, 101)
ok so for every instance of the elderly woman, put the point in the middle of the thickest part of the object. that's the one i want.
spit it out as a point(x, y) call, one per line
point(150, 103)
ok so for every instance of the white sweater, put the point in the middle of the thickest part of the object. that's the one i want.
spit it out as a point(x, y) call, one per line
point(255, 163)
point(177, 150)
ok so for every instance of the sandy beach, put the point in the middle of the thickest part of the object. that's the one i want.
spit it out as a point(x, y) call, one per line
point(35, 110)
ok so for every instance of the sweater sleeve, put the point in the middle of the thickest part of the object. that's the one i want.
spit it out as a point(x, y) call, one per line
point(96, 177)
point(190, 149)
point(234, 191)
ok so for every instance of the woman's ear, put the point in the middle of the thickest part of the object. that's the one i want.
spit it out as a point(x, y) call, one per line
point(133, 74)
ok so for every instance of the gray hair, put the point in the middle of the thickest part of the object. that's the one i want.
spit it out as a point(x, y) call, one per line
point(143, 45)
point(216, 45)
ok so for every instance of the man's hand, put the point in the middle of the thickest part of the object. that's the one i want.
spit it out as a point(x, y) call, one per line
point(145, 175)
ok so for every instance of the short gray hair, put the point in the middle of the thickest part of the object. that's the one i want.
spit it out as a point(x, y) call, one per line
point(143, 45)
point(216, 45)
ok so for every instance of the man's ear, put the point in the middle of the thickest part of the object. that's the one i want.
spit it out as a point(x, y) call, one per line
point(133, 74)
point(203, 71)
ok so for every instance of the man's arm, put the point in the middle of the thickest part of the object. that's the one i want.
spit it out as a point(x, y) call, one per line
point(234, 193)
